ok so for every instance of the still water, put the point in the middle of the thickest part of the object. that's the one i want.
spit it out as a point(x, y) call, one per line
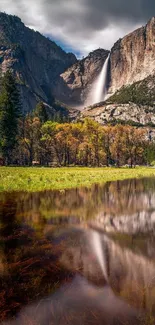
point(83, 256)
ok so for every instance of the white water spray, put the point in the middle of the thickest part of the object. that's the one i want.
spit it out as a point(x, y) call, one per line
point(98, 91)
point(97, 247)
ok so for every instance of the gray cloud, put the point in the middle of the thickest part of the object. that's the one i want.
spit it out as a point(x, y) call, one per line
point(82, 24)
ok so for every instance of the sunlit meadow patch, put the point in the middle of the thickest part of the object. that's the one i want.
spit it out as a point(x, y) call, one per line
point(38, 179)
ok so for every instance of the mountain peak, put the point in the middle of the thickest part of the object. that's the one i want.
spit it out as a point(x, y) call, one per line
point(35, 60)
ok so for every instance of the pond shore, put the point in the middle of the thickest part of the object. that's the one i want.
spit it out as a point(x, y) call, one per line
point(35, 179)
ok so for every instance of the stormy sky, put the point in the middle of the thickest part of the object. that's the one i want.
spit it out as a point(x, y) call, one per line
point(82, 25)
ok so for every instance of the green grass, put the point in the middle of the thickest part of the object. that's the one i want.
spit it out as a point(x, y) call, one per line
point(39, 179)
point(140, 93)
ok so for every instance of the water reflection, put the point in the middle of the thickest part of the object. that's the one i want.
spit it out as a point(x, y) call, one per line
point(79, 256)
point(79, 303)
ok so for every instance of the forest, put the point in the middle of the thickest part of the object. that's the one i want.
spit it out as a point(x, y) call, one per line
point(44, 139)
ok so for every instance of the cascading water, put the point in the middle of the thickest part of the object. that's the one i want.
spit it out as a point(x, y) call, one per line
point(97, 247)
point(98, 91)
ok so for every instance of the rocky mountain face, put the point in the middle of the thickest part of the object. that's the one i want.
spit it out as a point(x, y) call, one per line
point(134, 104)
point(80, 77)
point(133, 57)
point(44, 70)
point(131, 81)
point(132, 60)
point(132, 113)
point(36, 61)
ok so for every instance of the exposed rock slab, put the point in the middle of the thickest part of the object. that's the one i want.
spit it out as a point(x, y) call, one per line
point(133, 57)
point(80, 77)
point(120, 112)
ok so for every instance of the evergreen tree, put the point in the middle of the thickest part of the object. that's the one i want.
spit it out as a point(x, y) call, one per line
point(9, 113)
point(41, 113)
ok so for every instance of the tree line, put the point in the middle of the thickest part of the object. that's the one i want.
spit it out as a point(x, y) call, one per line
point(42, 139)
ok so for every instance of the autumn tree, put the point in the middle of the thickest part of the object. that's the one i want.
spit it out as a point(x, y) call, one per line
point(30, 140)
point(50, 144)
point(135, 140)
point(68, 138)
point(106, 141)
point(86, 143)
point(93, 134)
point(118, 145)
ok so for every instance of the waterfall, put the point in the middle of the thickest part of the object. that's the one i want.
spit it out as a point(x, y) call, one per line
point(98, 90)
point(98, 250)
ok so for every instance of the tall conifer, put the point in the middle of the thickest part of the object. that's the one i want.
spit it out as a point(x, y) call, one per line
point(9, 113)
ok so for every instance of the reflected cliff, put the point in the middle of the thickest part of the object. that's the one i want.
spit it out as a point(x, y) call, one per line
point(71, 255)
point(76, 205)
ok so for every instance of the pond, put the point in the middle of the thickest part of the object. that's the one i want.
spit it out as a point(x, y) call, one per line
point(82, 256)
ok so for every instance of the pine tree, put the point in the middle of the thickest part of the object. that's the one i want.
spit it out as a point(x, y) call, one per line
point(9, 113)
point(41, 113)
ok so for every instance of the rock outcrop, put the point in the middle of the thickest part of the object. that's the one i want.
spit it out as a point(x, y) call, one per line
point(132, 60)
point(114, 113)
point(44, 70)
point(36, 61)
point(80, 77)
point(133, 57)
point(133, 103)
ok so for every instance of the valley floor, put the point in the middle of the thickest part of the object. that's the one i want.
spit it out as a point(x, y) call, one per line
point(40, 179)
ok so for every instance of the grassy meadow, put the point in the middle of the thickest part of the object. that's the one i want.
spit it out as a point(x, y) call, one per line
point(40, 179)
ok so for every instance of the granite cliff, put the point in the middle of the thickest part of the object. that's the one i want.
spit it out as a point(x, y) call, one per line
point(129, 113)
point(134, 104)
point(131, 81)
point(133, 57)
point(44, 71)
point(80, 77)
point(36, 61)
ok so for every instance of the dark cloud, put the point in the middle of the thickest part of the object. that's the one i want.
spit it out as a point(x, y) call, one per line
point(135, 11)
point(83, 24)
